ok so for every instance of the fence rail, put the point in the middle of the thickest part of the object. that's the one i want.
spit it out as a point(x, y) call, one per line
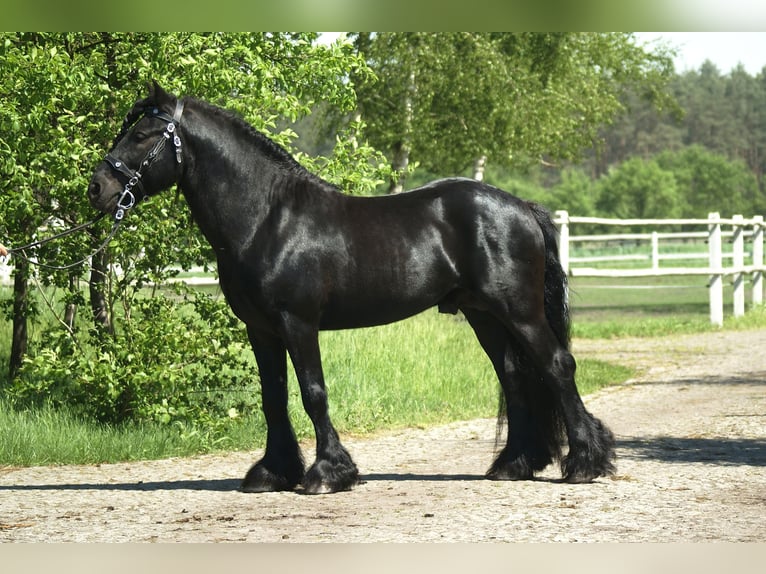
point(738, 230)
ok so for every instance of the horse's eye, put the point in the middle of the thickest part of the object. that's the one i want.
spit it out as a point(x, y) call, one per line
point(141, 136)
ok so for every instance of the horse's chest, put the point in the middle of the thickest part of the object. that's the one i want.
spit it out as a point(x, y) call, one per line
point(243, 296)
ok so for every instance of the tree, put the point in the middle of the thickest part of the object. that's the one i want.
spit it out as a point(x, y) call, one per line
point(576, 193)
point(705, 101)
point(446, 99)
point(719, 126)
point(62, 97)
point(708, 182)
point(39, 121)
point(641, 130)
point(639, 188)
point(746, 120)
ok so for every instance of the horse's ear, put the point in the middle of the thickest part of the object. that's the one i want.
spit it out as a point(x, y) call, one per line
point(158, 96)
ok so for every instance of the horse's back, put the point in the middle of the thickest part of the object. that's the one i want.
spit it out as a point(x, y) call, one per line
point(441, 202)
point(461, 220)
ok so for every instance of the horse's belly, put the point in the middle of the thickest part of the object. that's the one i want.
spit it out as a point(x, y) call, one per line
point(353, 315)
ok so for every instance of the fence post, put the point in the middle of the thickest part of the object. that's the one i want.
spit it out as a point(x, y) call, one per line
point(757, 260)
point(655, 250)
point(715, 253)
point(738, 261)
point(562, 219)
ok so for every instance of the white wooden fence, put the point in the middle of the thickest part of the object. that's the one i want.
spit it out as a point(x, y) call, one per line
point(715, 228)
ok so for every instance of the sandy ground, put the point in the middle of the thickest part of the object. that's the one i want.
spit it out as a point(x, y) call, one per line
point(691, 432)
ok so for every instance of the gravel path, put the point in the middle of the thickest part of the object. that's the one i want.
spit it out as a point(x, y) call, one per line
point(691, 431)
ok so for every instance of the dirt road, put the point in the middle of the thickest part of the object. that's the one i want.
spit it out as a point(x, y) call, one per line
point(691, 431)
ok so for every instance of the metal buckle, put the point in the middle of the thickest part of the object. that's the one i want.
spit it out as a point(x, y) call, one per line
point(123, 207)
point(131, 199)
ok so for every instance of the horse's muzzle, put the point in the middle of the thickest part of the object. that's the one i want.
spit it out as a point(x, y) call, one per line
point(103, 192)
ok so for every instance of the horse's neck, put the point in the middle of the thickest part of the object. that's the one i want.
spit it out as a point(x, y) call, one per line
point(229, 190)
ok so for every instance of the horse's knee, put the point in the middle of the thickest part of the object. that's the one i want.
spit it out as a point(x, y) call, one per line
point(314, 397)
point(564, 364)
point(558, 372)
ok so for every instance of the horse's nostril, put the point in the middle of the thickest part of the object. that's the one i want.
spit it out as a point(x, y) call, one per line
point(94, 189)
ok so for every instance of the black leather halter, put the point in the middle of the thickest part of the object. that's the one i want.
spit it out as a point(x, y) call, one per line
point(128, 198)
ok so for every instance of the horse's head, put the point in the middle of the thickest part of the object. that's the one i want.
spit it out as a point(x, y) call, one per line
point(144, 158)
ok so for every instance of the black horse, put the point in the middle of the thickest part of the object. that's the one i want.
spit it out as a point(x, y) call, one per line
point(296, 256)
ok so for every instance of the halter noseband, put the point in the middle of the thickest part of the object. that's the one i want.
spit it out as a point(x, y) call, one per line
point(128, 199)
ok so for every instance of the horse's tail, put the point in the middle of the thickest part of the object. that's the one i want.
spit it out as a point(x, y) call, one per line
point(556, 299)
point(541, 402)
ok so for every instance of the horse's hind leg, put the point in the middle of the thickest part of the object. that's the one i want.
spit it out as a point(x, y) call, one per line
point(533, 433)
point(281, 467)
point(591, 444)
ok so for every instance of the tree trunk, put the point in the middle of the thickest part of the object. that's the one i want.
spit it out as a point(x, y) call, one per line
point(97, 288)
point(478, 168)
point(402, 147)
point(69, 315)
point(71, 309)
point(20, 312)
point(99, 303)
point(400, 162)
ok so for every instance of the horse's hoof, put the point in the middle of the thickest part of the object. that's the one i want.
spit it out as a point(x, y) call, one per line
point(318, 488)
point(521, 467)
point(505, 474)
point(323, 478)
point(582, 468)
point(260, 479)
point(510, 471)
point(579, 478)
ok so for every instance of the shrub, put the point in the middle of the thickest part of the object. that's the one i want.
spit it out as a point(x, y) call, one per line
point(181, 363)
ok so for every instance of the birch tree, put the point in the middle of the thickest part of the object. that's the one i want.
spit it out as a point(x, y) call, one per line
point(448, 100)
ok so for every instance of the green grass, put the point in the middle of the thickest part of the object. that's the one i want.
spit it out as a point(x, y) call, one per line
point(47, 436)
point(650, 307)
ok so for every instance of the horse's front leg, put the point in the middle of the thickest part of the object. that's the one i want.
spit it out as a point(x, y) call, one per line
point(333, 469)
point(281, 467)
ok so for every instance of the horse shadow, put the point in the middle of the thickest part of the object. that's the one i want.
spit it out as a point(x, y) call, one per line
point(222, 485)
point(667, 449)
point(215, 485)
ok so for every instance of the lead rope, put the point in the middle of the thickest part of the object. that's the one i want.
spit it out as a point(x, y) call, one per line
point(20, 251)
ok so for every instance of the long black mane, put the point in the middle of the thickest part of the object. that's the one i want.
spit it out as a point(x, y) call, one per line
point(264, 146)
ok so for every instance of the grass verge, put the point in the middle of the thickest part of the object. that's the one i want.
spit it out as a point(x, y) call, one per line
point(650, 307)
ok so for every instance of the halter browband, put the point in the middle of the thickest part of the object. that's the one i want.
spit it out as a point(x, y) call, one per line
point(128, 199)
